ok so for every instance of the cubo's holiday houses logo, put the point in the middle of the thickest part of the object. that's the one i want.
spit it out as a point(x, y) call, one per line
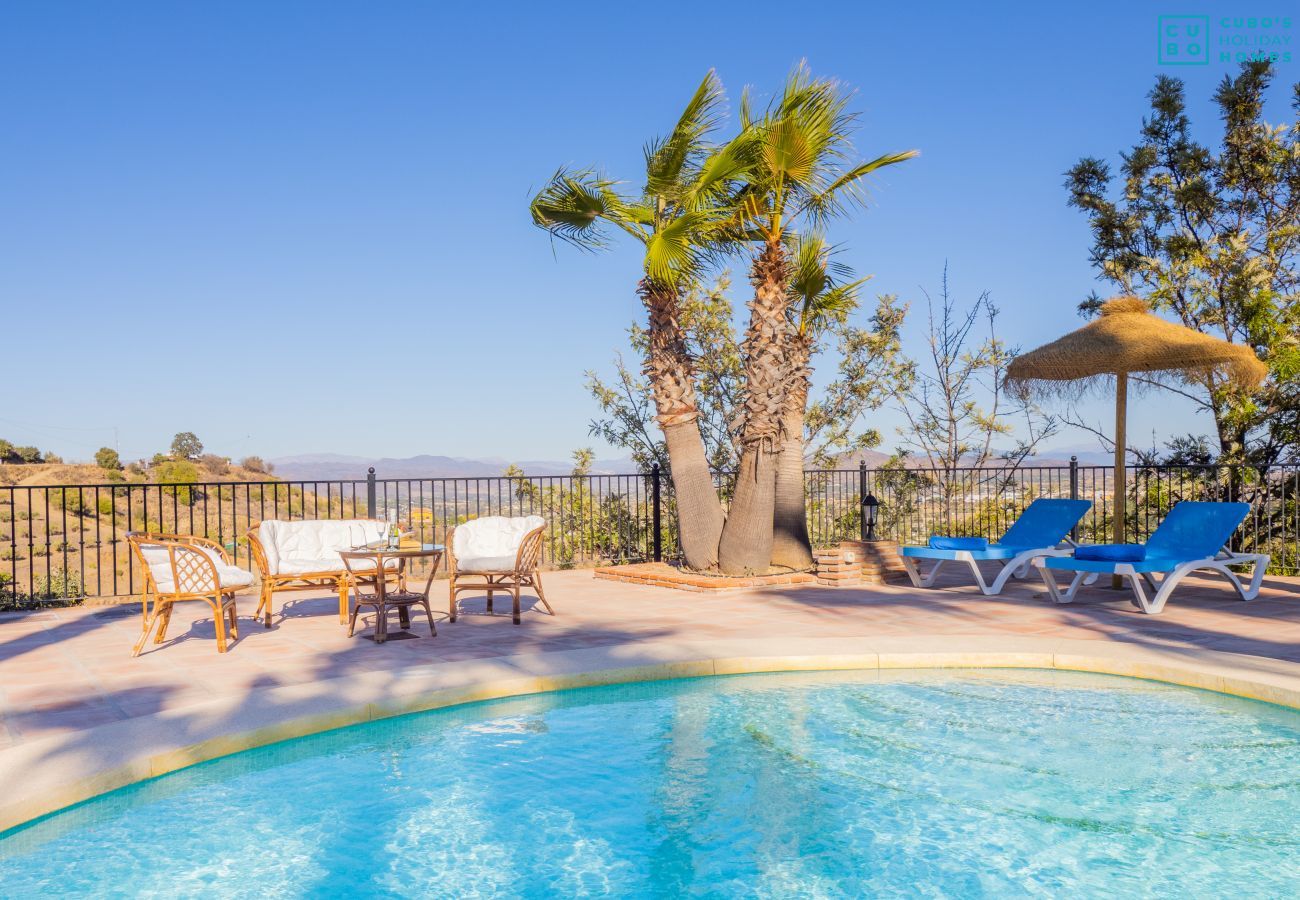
point(1200, 40)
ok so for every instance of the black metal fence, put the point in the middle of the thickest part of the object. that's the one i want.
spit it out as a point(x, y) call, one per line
point(69, 540)
point(917, 503)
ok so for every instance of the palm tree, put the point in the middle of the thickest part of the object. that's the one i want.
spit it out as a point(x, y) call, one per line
point(819, 300)
point(799, 176)
point(684, 220)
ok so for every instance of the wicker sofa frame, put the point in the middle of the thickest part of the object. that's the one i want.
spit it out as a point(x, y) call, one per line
point(330, 579)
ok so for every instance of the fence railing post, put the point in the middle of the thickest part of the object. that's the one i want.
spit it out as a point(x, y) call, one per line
point(370, 494)
point(656, 514)
point(1074, 493)
point(862, 496)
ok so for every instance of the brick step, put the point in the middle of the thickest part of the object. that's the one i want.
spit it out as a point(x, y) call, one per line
point(855, 563)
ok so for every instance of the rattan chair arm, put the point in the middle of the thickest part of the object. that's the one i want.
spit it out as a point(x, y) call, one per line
point(133, 540)
point(258, 551)
point(449, 550)
point(533, 537)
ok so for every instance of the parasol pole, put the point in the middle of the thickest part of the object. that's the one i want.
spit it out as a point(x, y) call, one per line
point(1121, 442)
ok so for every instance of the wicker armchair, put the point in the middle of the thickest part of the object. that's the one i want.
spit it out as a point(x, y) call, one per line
point(180, 567)
point(496, 554)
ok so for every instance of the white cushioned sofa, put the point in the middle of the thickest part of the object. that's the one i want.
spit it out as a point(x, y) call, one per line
point(496, 554)
point(303, 555)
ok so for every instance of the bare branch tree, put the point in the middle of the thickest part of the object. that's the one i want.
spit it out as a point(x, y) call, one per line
point(955, 405)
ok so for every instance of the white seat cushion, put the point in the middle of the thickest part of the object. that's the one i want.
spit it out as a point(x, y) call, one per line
point(234, 577)
point(491, 537)
point(291, 546)
point(330, 564)
point(474, 564)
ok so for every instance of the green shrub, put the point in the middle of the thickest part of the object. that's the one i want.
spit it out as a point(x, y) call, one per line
point(108, 458)
point(73, 502)
point(178, 472)
point(28, 454)
point(105, 506)
point(59, 583)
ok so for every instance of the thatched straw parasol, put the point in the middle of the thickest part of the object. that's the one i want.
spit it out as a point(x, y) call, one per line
point(1126, 338)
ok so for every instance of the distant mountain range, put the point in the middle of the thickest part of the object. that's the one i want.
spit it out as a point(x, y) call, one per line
point(335, 467)
point(1056, 458)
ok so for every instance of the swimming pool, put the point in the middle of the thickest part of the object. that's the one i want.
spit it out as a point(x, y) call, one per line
point(828, 784)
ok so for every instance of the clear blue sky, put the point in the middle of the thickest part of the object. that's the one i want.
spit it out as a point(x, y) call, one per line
point(249, 220)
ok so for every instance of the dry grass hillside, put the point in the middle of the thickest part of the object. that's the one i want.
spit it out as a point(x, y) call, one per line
point(70, 540)
point(40, 474)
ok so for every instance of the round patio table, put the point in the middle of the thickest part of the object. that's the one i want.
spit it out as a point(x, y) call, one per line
point(383, 598)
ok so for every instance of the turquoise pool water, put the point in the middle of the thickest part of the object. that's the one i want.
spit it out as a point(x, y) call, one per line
point(954, 784)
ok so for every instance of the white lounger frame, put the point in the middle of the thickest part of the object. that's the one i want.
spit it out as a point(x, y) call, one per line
point(1017, 566)
point(1165, 586)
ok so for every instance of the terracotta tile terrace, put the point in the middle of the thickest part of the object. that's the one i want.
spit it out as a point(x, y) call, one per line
point(67, 670)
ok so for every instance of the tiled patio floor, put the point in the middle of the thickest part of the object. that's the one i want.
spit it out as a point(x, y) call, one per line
point(64, 671)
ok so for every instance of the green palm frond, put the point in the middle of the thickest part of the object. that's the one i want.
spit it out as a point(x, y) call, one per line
point(676, 250)
point(715, 181)
point(808, 272)
point(787, 153)
point(820, 296)
point(798, 88)
point(804, 164)
point(751, 207)
point(668, 158)
point(576, 205)
point(848, 188)
point(831, 307)
point(746, 110)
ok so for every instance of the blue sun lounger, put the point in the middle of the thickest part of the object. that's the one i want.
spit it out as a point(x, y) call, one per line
point(1191, 538)
point(1040, 531)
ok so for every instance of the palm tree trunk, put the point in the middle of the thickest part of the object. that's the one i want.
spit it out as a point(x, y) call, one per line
point(746, 544)
point(668, 367)
point(791, 546)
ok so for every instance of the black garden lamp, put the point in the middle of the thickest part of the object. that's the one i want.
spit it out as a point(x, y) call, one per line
point(870, 506)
